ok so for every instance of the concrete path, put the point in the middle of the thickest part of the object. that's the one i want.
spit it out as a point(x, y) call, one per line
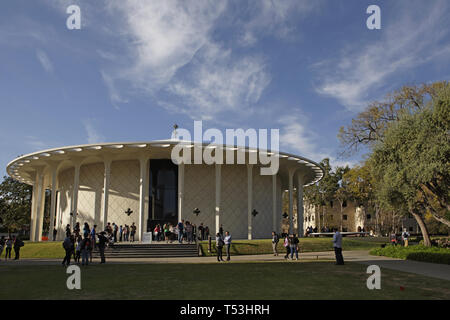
point(433, 270)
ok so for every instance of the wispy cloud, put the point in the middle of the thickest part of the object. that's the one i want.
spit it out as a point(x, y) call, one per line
point(44, 60)
point(92, 134)
point(416, 37)
point(217, 82)
point(268, 17)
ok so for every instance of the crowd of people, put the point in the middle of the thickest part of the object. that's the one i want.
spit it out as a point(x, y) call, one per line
point(183, 231)
point(79, 244)
point(12, 242)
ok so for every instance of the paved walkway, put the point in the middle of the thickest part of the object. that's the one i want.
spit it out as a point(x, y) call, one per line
point(433, 270)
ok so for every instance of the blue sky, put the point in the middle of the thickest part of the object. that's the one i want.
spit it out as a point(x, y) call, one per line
point(137, 67)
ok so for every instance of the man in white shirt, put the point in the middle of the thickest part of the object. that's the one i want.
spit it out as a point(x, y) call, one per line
point(337, 244)
point(227, 241)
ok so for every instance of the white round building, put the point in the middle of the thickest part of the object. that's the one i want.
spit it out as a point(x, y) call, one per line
point(138, 182)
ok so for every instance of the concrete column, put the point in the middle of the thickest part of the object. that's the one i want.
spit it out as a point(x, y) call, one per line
point(143, 180)
point(291, 200)
point(250, 199)
point(300, 216)
point(76, 186)
point(106, 184)
point(40, 201)
point(218, 193)
point(274, 203)
point(180, 190)
point(53, 172)
point(33, 208)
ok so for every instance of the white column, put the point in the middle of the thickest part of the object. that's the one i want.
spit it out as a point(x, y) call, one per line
point(300, 216)
point(106, 183)
point(40, 206)
point(53, 169)
point(33, 208)
point(142, 187)
point(218, 193)
point(250, 199)
point(76, 186)
point(180, 190)
point(274, 203)
point(291, 200)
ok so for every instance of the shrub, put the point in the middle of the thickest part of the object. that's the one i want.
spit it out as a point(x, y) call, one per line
point(418, 253)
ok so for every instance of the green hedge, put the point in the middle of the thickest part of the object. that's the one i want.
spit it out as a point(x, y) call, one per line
point(418, 253)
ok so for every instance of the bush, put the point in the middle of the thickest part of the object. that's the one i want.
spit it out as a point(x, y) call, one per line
point(417, 253)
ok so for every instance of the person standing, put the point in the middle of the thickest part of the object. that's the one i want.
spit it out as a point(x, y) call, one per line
point(201, 232)
point(206, 233)
point(227, 241)
point(337, 244)
point(101, 246)
point(54, 234)
point(18, 243)
point(9, 244)
point(86, 230)
point(2, 244)
point(180, 227)
point(286, 245)
point(405, 236)
point(133, 231)
point(275, 240)
point(85, 248)
point(219, 246)
point(68, 233)
point(189, 232)
point(293, 244)
point(120, 234)
point(221, 230)
point(93, 241)
point(68, 247)
point(115, 230)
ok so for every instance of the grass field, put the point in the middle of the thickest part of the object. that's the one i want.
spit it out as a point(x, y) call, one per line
point(242, 247)
point(239, 247)
point(239, 281)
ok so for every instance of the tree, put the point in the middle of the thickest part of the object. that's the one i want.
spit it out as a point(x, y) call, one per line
point(370, 125)
point(15, 204)
point(412, 162)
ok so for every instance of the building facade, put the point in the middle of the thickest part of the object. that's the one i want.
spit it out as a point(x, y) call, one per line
point(139, 183)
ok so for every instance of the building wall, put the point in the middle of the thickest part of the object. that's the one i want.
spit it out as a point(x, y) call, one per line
point(199, 192)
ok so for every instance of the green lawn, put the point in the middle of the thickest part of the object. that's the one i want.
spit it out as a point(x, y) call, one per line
point(417, 252)
point(241, 247)
point(274, 280)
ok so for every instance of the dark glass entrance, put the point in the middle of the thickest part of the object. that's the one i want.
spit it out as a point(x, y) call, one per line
point(163, 199)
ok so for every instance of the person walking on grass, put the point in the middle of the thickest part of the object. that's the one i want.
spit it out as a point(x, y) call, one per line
point(227, 241)
point(68, 247)
point(275, 240)
point(405, 236)
point(293, 246)
point(2, 244)
point(8, 245)
point(286, 245)
point(337, 244)
point(18, 243)
point(85, 248)
point(219, 246)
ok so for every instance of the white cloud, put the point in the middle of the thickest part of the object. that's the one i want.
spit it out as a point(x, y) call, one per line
point(114, 94)
point(164, 36)
point(92, 134)
point(416, 37)
point(274, 17)
point(44, 61)
point(217, 82)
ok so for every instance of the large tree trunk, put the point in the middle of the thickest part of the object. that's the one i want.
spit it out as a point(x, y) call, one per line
point(423, 228)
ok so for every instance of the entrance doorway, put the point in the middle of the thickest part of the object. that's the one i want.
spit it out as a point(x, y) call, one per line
point(163, 197)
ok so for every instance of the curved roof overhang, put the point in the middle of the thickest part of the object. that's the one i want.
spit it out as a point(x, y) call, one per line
point(24, 168)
